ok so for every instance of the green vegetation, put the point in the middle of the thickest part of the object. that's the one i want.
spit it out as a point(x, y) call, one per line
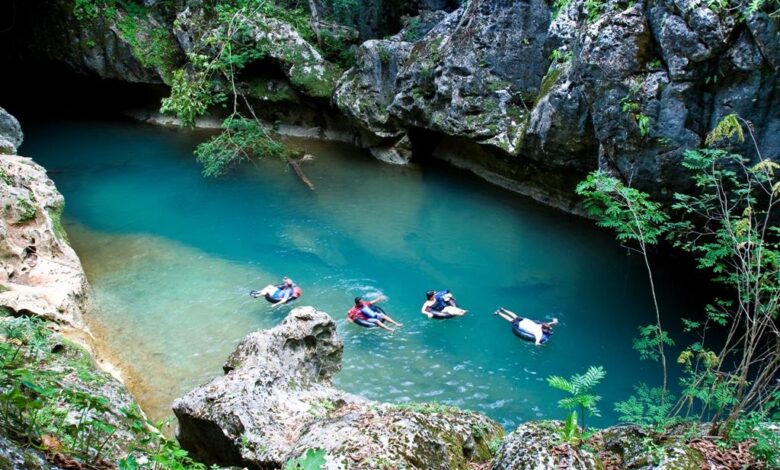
point(153, 45)
point(578, 387)
point(316, 81)
point(49, 400)
point(643, 121)
point(648, 407)
point(5, 178)
point(344, 12)
point(191, 96)
point(494, 445)
point(313, 459)
point(321, 408)
point(726, 225)
point(633, 108)
point(413, 30)
point(28, 209)
point(56, 222)
point(638, 223)
point(242, 139)
point(243, 35)
point(558, 5)
point(745, 8)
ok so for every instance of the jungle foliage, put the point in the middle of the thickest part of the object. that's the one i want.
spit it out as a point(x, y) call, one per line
point(729, 225)
point(50, 400)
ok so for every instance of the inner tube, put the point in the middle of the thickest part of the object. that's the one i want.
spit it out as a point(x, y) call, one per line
point(295, 294)
point(368, 324)
point(527, 335)
point(439, 315)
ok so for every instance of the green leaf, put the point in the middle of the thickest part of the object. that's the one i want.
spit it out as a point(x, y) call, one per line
point(313, 459)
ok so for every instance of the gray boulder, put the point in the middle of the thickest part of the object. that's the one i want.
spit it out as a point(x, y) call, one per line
point(536, 446)
point(17, 457)
point(276, 401)
point(10, 133)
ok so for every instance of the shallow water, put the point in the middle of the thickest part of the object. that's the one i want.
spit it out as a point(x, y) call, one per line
point(171, 257)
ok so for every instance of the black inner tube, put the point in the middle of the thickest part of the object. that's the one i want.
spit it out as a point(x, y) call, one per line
point(527, 335)
point(270, 298)
point(368, 324)
point(439, 315)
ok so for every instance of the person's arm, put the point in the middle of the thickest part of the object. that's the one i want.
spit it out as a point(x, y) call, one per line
point(538, 335)
point(285, 298)
point(424, 309)
point(381, 298)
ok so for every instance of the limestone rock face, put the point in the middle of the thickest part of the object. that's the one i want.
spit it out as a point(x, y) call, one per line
point(40, 273)
point(276, 401)
point(10, 133)
point(303, 65)
point(626, 90)
point(118, 47)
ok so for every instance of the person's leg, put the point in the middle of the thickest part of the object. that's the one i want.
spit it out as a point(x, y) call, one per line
point(383, 326)
point(268, 290)
point(384, 316)
point(512, 314)
point(505, 316)
point(454, 311)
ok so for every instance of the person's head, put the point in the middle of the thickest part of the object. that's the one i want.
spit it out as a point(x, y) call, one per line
point(358, 301)
point(429, 295)
point(287, 281)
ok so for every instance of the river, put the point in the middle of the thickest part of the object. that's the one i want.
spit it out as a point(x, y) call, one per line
point(171, 257)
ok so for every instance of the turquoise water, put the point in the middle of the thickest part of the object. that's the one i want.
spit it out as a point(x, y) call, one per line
point(171, 257)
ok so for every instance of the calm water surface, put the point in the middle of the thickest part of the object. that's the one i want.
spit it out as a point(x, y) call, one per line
point(171, 257)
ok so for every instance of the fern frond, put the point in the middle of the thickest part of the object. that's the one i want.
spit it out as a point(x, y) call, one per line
point(560, 383)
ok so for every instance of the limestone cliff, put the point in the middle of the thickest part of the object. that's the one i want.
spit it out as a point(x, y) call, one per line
point(41, 274)
point(626, 87)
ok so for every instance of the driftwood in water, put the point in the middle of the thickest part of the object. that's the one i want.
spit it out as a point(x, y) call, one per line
point(296, 165)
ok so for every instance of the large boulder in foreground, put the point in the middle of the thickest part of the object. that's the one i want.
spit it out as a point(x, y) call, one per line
point(41, 274)
point(276, 400)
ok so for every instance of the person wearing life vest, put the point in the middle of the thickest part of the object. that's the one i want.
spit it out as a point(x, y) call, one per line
point(279, 294)
point(364, 313)
point(540, 331)
point(441, 304)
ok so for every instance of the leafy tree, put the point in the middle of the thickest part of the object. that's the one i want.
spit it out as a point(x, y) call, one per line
point(730, 225)
point(638, 223)
point(648, 408)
